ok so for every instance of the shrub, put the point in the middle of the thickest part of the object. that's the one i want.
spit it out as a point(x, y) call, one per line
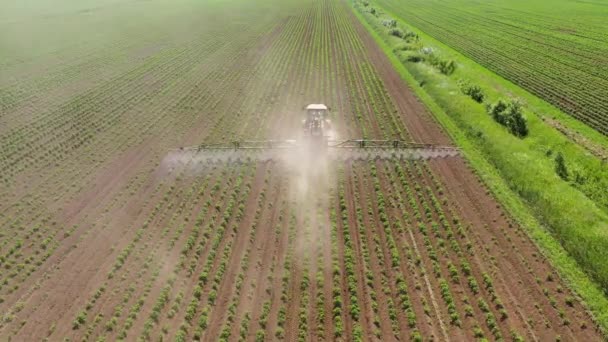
point(517, 123)
point(447, 67)
point(390, 23)
point(560, 166)
point(473, 91)
point(405, 47)
point(409, 36)
point(509, 115)
point(497, 111)
point(415, 58)
point(397, 32)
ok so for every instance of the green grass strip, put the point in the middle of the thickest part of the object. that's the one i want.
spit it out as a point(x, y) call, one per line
point(590, 293)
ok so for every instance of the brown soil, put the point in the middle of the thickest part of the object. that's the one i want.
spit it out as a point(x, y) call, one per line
point(158, 250)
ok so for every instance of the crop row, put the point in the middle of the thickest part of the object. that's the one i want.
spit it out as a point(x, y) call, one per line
point(54, 185)
point(555, 68)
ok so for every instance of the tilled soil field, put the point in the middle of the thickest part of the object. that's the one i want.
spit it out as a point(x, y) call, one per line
point(105, 238)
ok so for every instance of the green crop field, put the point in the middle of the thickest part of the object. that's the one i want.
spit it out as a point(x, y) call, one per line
point(557, 50)
point(566, 196)
point(111, 231)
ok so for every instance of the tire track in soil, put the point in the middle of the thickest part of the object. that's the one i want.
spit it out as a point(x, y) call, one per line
point(427, 221)
point(172, 251)
point(282, 243)
point(477, 258)
point(430, 283)
point(109, 305)
point(424, 129)
point(459, 287)
point(368, 189)
point(521, 281)
point(399, 211)
point(69, 258)
point(237, 252)
point(265, 265)
point(108, 181)
point(369, 224)
point(293, 294)
point(250, 202)
point(313, 249)
point(258, 252)
point(346, 320)
point(352, 59)
point(366, 316)
point(327, 264)
point(320, 263)
point(313, 268)
point(260, 263)
point(342, 92)
point(168, 257)
point(421, 125)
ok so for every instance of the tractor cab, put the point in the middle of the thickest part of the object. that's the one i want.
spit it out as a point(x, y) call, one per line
point(316, 111)
point(316, 126)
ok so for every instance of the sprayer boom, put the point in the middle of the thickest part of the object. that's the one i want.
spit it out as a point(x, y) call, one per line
point(317, 143)
point(358, 149)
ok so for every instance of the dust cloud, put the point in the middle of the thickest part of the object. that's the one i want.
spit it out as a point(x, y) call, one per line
point(309, 175)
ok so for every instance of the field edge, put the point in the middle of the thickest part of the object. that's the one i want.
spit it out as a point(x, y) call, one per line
point(589, 292)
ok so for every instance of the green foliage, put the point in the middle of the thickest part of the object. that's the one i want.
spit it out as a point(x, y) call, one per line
point(415, 58)
point(474, 91)
point(560, 166)
point(515, 337)
point(517, 172)
point(416, 336)
point(397, 32)
point(510, 115)
point(446, 67)
point(80, 319)
point(260, 336)
point(390, 23)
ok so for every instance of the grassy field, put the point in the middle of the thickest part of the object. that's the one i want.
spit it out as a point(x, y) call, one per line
point(555, 49)
point(108, 232)
point(572, 212)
